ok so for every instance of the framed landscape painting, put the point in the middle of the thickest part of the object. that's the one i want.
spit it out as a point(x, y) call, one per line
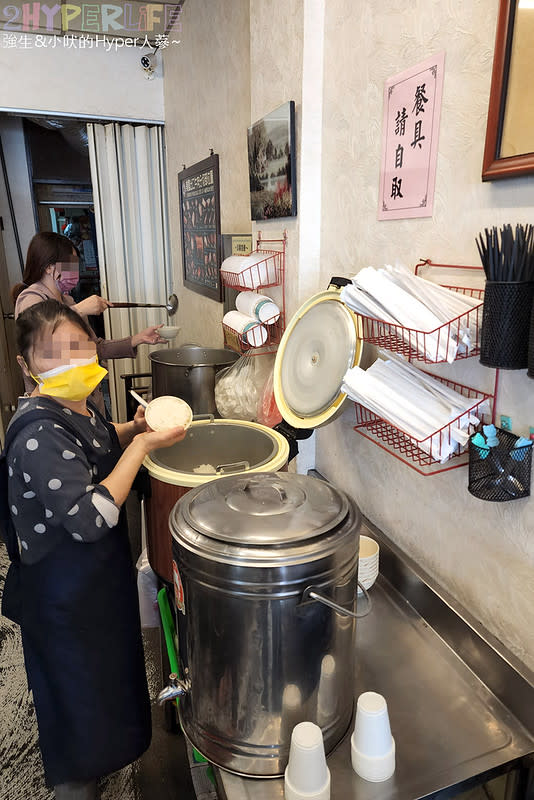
point(271, 163)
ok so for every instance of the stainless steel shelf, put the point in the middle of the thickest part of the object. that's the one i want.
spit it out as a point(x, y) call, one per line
point(451, 730)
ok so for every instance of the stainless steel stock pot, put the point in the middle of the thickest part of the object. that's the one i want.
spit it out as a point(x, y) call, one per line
point(257, 654)
point(189, 372)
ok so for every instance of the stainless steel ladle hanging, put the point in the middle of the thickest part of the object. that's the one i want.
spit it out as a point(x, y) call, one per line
point(171, 305)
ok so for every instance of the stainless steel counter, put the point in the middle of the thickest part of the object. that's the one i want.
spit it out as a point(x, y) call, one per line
point(449, 728)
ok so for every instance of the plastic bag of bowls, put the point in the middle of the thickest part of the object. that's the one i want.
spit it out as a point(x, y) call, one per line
point(238, 388)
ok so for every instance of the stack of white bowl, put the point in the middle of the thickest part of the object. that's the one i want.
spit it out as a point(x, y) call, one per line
point(368, 562)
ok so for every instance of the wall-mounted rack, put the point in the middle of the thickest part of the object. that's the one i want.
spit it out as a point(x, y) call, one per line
point(264, 274)
point(431, 347)
point(425, 346)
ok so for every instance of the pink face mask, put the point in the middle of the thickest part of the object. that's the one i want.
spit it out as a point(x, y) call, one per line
point(67, 281)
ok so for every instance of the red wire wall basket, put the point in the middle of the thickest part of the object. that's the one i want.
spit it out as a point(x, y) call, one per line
point(268, 271)
point(410, 450)
point(431, 347)
point(238, 341)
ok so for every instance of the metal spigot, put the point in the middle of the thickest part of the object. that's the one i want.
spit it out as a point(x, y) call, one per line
point(176, 688)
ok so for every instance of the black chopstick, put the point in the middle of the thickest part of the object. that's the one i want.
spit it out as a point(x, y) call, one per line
point(507, 254)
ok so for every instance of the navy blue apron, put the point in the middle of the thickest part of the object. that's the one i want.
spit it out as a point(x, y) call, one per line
point(81, 635)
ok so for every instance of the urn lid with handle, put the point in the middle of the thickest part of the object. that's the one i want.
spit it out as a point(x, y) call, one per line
point(265, 509)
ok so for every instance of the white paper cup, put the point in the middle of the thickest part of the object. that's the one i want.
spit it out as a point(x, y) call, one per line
point(372, 745)
point(368, 562)
point(252, 332)
point(307, 777)
point(257, 305)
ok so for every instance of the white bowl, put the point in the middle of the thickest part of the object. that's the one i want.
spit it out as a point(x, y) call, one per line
point(169, 331)
point(167, 412)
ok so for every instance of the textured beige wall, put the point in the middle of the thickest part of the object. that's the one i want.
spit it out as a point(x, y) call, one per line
point(483, 553)
point(276, 32)
point(207, 105)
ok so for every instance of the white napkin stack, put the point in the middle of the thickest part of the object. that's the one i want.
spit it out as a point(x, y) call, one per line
point(416, 403)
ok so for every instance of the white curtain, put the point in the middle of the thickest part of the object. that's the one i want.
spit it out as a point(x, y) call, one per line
point(130, 199)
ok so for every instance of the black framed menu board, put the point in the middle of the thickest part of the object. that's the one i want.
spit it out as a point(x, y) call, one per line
point(201, 227)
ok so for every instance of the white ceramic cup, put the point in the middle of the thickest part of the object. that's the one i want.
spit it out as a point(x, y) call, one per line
point(372, 745)
point(368, 562)
point(307, 777)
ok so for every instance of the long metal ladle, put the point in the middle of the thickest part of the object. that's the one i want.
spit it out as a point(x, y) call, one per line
point(171, 305)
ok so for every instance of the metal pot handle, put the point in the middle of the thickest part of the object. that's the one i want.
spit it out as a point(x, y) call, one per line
point(235, 466)
point(203, 417)
point(311, 593)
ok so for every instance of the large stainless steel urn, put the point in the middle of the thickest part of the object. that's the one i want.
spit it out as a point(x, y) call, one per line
point(257, 653)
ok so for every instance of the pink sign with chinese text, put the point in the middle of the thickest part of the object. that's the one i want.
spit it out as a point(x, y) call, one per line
point(412, 105)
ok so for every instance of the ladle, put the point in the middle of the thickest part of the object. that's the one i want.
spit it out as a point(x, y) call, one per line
point(171, 305)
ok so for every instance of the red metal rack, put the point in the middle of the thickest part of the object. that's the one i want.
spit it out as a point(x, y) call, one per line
point(266, 273)
point(414, 451)
point(424, 346)
point(431, 347)
point(261, 275)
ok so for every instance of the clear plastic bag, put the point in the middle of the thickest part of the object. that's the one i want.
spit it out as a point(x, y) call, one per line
point(147, 589)
point(268, 413)
point(238, 388)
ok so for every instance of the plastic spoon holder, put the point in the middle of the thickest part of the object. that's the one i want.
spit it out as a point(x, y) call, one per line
point(500, 473)
point(505, 324)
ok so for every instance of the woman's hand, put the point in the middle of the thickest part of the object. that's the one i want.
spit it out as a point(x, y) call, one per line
point(91, 305)
point(139, 422)
point(148, 336)
point(127, 430)
point(153, 440)
point(120, 479)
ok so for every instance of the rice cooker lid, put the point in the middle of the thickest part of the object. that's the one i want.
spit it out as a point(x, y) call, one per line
point(264, 508)
point(319, 345)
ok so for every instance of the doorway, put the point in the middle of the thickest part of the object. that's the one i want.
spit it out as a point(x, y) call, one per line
point(10, 375)
point(109, 196)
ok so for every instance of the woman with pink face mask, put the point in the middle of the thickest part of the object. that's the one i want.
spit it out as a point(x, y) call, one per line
point(50, 273)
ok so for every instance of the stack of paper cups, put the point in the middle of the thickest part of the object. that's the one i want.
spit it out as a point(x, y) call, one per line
point(257, 305)
point(367, 562)
point(307, 777)
point(251, 331)
point(372, 745)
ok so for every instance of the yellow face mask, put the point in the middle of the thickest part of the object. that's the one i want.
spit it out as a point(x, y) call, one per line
point(71, 382)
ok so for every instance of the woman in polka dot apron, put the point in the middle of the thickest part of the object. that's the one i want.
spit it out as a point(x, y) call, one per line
point(70, 472)
point(50, 273)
